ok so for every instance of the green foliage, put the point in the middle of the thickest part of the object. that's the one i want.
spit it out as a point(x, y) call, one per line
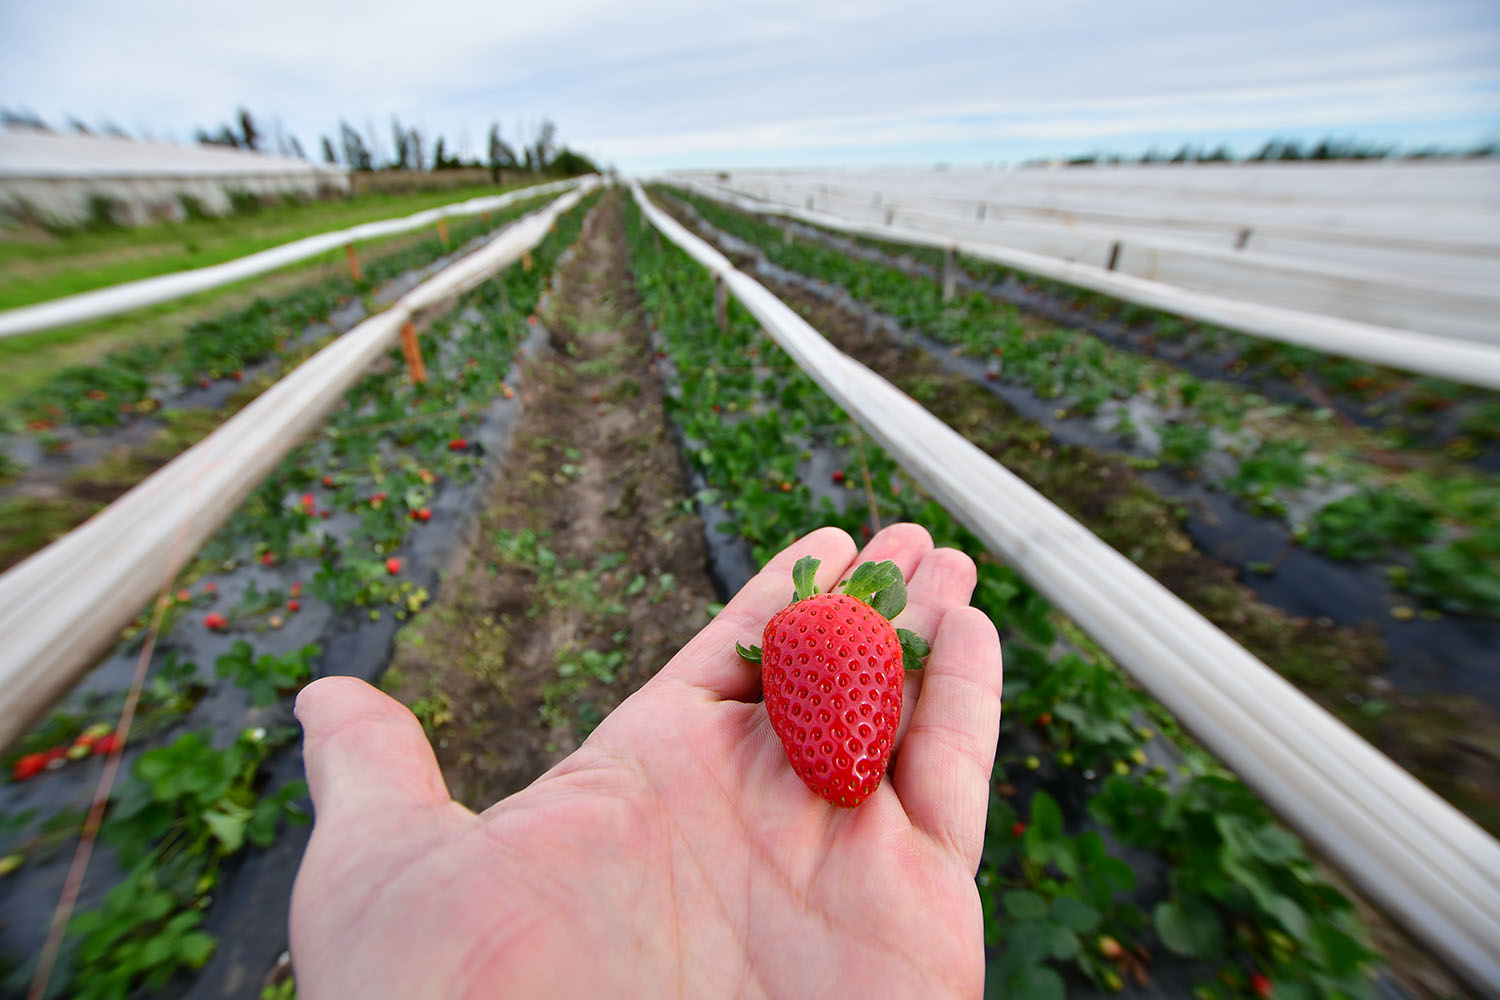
point(1185, 444)
point(138, 938)
point(1086, 375)
point(186, 807)
point(1462, 575)
point(1239, 883)
point(119, 388)
point(267, 675)
point(1272, 466)
point(1369, 524)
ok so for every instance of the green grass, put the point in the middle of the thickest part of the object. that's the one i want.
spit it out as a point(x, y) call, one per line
point(35, 267)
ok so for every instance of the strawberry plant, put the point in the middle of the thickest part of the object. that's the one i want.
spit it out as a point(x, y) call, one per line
point(268, 675)
point(1369, 524)
point(1270, 463)
point(186, 807)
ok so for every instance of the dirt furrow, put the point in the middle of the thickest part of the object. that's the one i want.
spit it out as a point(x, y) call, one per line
point(588, 568)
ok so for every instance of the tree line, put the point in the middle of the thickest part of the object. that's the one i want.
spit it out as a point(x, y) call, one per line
point(1278, 148)
point(361, 150)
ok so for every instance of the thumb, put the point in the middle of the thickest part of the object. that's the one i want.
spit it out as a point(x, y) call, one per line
point(365, 754)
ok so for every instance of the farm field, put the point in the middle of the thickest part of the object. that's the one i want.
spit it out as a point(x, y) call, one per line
point(598, 461)
point(36, 265)
point(1273, 521)
point(83, 433)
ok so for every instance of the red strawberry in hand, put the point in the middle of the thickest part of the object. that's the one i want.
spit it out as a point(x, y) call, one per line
point(832, 668)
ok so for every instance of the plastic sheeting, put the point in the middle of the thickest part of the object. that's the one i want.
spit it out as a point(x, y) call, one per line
point(149, 291)
point(1421, 859)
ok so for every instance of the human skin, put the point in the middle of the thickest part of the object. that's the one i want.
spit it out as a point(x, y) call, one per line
point(675, 853)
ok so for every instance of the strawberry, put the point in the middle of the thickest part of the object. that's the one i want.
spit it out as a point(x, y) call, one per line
point(458, 444)
point(1261, 986)
point(1017, 829)
point(106, 745)
point(832, 668)
point(268, 559)
point(328, 481)
point(297, 589)
point(215, 621)
point(294, 606)
point(393, 565)
point(423, 514)
point(838, 475)
point(28, 766)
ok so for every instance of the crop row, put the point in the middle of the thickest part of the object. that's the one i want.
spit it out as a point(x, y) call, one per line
point(131, 381)
point(327, 538)
point(1409, 412)
point(1436, 527)
point(1084, 755)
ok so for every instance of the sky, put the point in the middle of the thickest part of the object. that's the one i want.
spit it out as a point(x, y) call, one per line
point(658, 85)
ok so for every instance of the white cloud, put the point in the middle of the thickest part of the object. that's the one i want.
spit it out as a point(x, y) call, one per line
point(644, 84)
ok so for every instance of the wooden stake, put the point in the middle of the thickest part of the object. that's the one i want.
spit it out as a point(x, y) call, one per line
point(1114, 256)
point(353, 259)
point(413, 352)
point(443, 231)
point(980, 213)
point(1243, 239)
point(526, 261)
point(786, 234)
point(890, 216)
point(721, 304)
point(950, 274)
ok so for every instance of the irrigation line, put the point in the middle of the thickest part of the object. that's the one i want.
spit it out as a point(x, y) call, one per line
point(1421, 860)
point(68, 900)
point(164, 287)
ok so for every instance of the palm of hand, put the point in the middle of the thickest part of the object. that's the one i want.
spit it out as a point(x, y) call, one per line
point(676, 853)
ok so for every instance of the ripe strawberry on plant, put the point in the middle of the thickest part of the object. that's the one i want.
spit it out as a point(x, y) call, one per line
point(28, 766)
point(832, 666)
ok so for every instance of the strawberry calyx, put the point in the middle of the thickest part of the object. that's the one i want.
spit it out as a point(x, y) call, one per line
point(877, 584)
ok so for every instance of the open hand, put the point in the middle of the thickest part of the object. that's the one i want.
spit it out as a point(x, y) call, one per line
point(675, 853)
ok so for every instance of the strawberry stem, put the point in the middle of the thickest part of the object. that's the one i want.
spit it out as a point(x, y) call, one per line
point(751, 653)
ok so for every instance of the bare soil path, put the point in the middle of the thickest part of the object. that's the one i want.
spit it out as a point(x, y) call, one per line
point(588, 570)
